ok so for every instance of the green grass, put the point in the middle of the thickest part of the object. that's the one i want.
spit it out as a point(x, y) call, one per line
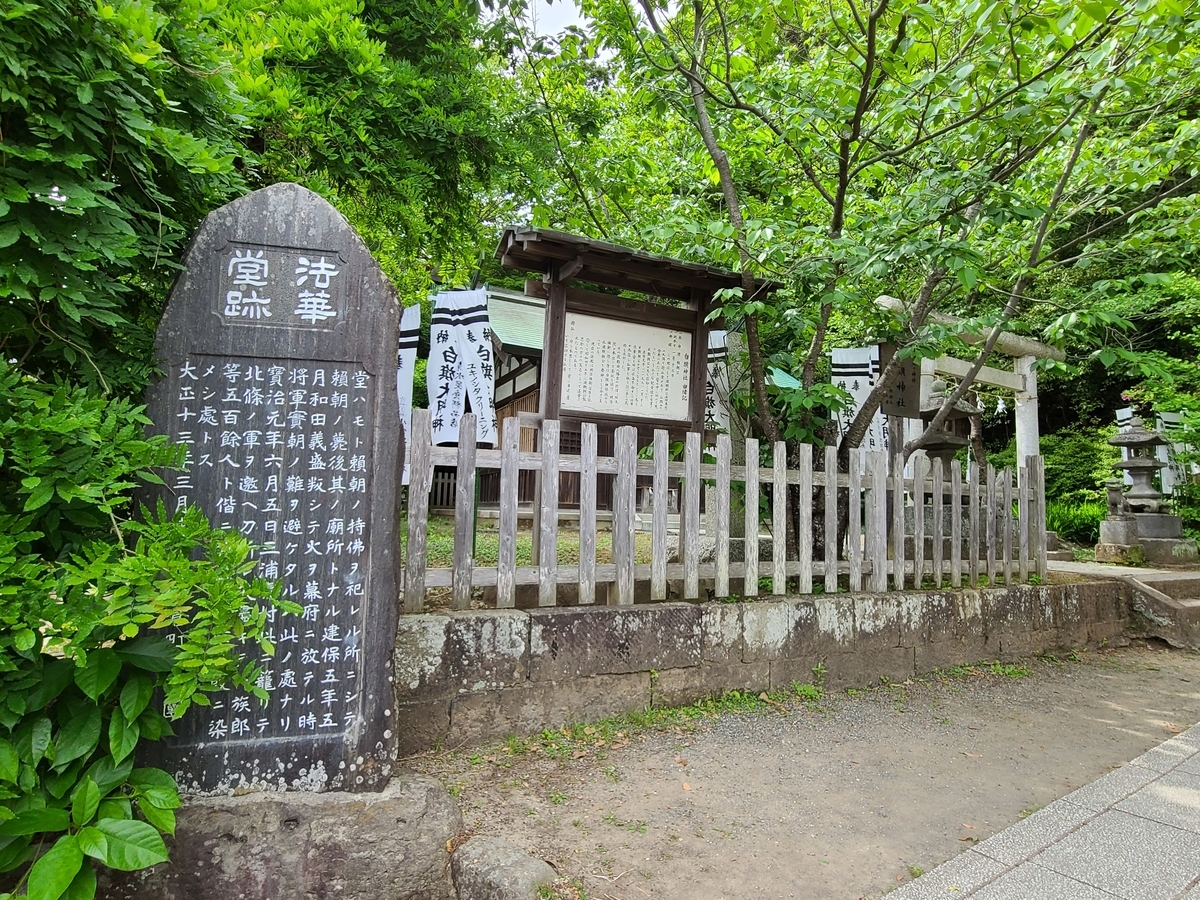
point(1076, 521)
point(440, 545)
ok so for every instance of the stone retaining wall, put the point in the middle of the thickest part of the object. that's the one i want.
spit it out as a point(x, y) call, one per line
point(468, 677)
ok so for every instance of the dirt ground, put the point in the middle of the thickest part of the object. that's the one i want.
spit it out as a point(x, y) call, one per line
point(845, 797)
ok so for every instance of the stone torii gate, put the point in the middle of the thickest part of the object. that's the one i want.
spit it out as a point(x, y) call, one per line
point(1022, 380)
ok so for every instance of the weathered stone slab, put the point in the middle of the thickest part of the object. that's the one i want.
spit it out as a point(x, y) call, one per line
point(583, 641)
point(278, 346)
point(679, 687)
point(531, 707)
point(442, 654)
point(374, 846)
point(488, 868)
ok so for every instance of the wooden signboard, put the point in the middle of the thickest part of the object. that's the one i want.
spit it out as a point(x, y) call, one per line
point(904, 397)
point(278, 353)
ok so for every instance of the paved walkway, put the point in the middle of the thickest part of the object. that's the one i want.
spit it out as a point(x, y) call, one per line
point(1133, 834)
point(1107, 570)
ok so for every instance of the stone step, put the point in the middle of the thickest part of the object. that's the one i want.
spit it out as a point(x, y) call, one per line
point(1060, 555)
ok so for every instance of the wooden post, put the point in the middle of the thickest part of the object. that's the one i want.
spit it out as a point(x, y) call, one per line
point(854, 523)
point(919, 464)
point(990, 521)
point(973, 546)
point(877, 462)
point(1007, 522)
point(750, 554)
point(831, 520)
point(658, 525)
point(1037, 475)
point(804, 538)
point(464, 515)
point(548, 530)
point(898, 521)
point(1023, 525)
point(420, 478)
point(779, 520)
point(939, 524)
point(587, 513)
point(506, 575)
point(624, 501)
point(724, 452)
point(689, 521)
point(955, 524)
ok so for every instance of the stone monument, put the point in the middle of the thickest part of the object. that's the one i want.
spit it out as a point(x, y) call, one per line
point(1138, 528)
point(278, 352)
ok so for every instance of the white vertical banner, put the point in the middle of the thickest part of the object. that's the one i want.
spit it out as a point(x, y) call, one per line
point(716, 414)
point(855, 369)
point(1124, 420)
point(460, 362)
point(406, 359)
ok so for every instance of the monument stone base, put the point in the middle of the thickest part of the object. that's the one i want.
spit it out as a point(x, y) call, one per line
point(1145, 538)
point(390, 845)
point(1122, 554)
point(1170, 551)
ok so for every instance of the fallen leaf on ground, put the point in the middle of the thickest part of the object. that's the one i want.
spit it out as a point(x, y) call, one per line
point(1174, 729)
point(972, 755)
point(965, 825)
point(686, 786)
point(682, 760)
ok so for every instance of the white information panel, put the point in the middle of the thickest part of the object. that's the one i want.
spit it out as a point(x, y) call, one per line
point(611, 366)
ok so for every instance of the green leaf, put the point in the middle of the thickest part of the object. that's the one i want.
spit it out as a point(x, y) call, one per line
point(56, 675)
point(108, 774)
point(153, 653)
point(135, 696)
point(122, 735)
point(85, 802)
point(78, 737)
point(84, 885)
point(130, 844)
point(162, 819)
point(35, 821)
point(10, 763)
point(33, 739)
point(53, 873)
point(102, 668)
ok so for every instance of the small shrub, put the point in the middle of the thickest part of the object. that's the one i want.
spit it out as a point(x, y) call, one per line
point(1076, 521)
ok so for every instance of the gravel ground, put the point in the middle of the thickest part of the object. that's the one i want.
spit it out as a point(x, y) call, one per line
point(844, 797)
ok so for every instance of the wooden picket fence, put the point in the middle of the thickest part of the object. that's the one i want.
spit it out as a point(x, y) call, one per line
point(975, 518)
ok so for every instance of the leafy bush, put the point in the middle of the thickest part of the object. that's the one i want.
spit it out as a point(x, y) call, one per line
point(1077, 462)
point(1077, 521)
point(99, 615)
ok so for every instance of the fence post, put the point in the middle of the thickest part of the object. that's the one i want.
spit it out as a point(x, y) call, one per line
point(898, 522)
point(623, 512)
point(831, 520)
point(722, 525)
point(420, 475)
point(1023, 491)
point(919, 464)
point(779, 520)
point(1007, 520)
point(990, 521)
point(548, 526)
point(973, 546)
point(587, 513)
point(939, 520)
point(658, 525)
point(854, 552)
point(956, 499)
point(804, 539)
point(877, 520)
point(1037, 472)
point(689, 521)
point(750, 543)
point(506, 576)
point(464, 515)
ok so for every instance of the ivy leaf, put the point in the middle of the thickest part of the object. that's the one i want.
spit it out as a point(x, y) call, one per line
point(56, 870)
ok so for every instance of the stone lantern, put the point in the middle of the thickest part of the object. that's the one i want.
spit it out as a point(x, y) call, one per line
point(1137, 529)
point(955, 432)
